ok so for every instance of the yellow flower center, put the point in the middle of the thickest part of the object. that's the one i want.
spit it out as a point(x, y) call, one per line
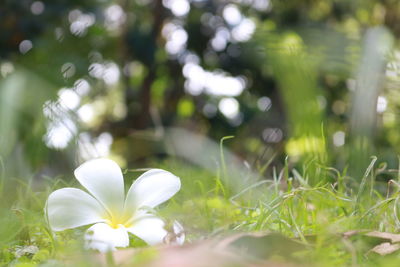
point(118, 221)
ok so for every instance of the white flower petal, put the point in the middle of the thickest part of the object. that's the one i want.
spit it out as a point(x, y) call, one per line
point(150, 229)
point(104, 238)
point(103, 179)
point(70, 207)
point(179, 233)
point(151, 189)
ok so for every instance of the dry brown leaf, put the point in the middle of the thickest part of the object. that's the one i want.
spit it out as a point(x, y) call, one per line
point(385, 248)
point(206, 253)
point(394, 238)
point(351, 233)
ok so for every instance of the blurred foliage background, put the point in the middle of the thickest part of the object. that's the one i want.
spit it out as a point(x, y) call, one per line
point(315, 80)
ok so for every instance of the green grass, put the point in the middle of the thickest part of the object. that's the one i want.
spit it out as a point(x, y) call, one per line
point(316, 217)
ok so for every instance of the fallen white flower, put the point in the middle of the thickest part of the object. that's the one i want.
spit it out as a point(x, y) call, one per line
point(112, 214)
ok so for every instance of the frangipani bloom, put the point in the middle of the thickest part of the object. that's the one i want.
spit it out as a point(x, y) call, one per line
point(112, 213)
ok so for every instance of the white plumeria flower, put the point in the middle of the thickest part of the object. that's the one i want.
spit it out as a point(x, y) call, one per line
point(112, 214)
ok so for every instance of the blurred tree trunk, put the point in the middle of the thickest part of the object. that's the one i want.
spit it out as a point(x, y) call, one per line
point(369, 81)
point(142, 119)
point(138, 103)
point(175, 93)
point(392, 16)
